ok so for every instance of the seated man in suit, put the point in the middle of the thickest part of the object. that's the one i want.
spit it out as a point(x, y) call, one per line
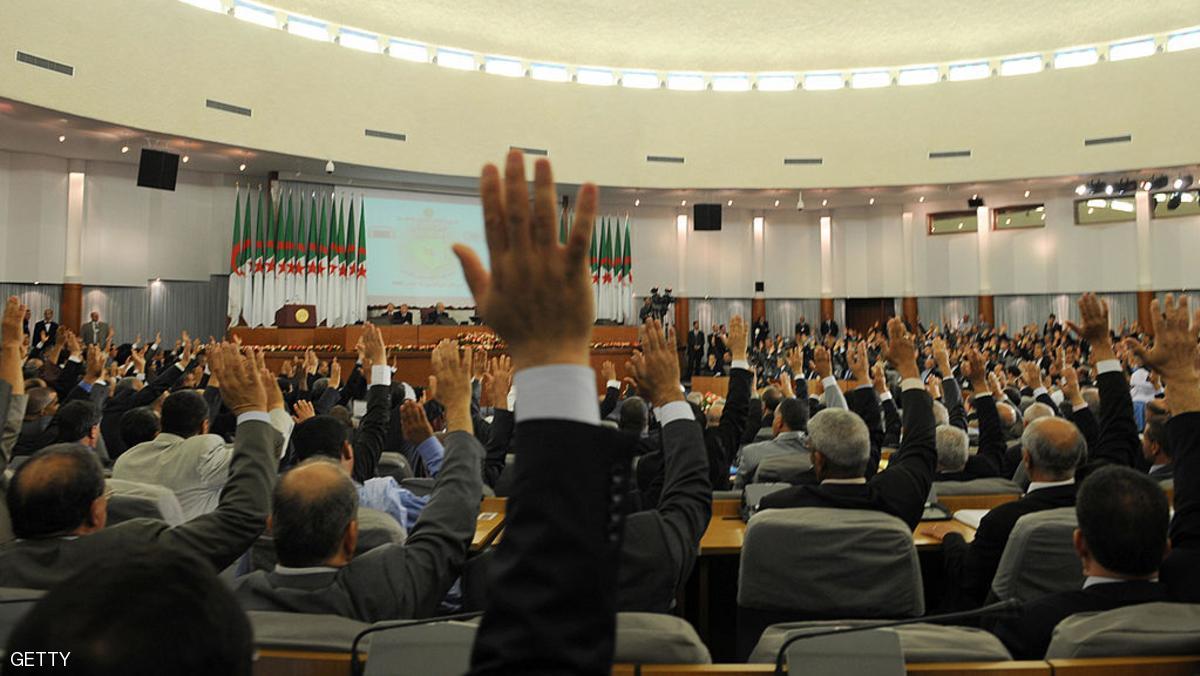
point(189, 460)
point(108, 620)
point(1154, 441)
point(131, 393)
point(59, 504)
point(1121, 541)
point(791, 418)
point(987, 462)
point(841, 446)
point(440, 317)
point(394, 316)
point(315, 529)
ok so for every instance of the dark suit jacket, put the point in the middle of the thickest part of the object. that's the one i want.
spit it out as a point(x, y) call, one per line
point(696, 342)
point(220, 537)
point(393, 581)
point(988, 461)
point(127, 400)
point(899, 491)
point(552, 593)
point(1027, 636)
point(372, 430)
point(1181, 570)
point(829, 328)
point(661, 544)
point(51, 329)
point(398, 317)
point(724, 440)
point(970, 568)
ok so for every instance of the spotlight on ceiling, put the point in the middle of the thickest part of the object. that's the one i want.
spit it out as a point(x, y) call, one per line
point(242, 167)
point(62, 139)
point(921, 198)
point(871, 201)
point(1183, 182)
point(729, 203)
point(1080, 189)
point(1158, 182)
point(637, 202)
point(1173, 203)
point(124, 149)
point(1108, 189)
point(185, 159)
point(1096, 186)
point(1027, 193)
point(975, 202)
point(776, 202)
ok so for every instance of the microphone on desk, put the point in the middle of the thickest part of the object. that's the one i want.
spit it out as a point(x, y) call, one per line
point(994, 608)
point(356, 667)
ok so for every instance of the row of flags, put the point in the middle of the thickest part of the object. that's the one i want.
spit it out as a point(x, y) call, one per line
point(298, 251)
point(611, 265)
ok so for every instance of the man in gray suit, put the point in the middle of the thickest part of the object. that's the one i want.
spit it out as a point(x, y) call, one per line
point(314, 525)
point(13, 399)
point(791, 419)
point(95, 332)
point(59, 504)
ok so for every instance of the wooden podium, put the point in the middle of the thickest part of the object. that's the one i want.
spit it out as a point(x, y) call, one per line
point(296, 317)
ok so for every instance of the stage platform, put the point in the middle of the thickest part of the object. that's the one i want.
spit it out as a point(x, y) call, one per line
point(411, 345)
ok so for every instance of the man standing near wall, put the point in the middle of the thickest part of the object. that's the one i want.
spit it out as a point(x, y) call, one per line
point(95, 332)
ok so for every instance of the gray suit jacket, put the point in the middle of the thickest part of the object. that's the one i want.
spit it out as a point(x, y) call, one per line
point(12, 407)
point(219, 537)
point(93, 337)
point(393, 581)
point(753, 454)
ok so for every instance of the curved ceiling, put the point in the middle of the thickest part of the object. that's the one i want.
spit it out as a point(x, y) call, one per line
point(763, 35)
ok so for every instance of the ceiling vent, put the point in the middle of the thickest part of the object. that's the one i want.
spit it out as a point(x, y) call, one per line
point(391, 135)
point(540, 152)
point(947, 154)
point(47, 64)
point(667, 159)
point(227, 107)
point(803, 160)
point(1105, 140)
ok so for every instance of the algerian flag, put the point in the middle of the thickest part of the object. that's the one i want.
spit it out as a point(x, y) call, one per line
point(310, 255)
point(594, 262)
point(259, 261)
point(322, 260)
point(361, 282)
point(234, 306)
point(268, 309)
point(618, 277)
point(246, 256)
point(350, 284)
point(288, 273)
point(627, 265)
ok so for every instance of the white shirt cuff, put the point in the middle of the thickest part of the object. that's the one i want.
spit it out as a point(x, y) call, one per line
point(613, 383)
point(77, 360)
point(676, 410)
point(1056, 396)
point(1108, 366)
point(740, 364)
point(381, 374)
point(912, 384)
point(1039, 391)
point(886, 396)
point(254, 415)
point(1080, 407)
point(829, 382)
point(983, 395)
point(557, 392)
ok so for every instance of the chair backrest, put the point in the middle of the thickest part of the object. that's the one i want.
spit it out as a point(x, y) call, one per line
point(1039, 558)
point(1144, 630)
point(992, 486)
point(303, 631)
point(787, 468)
point(652, 638)
point(136, 500)
point(375, 529)
point(727, 494)
point(827, 562)
point(15, 602)
point(395, 465)
point(755, 492)
point(921, 643)
point(419, 486)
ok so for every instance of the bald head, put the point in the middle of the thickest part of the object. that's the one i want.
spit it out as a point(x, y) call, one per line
point(313, 514)
point(1053, 447)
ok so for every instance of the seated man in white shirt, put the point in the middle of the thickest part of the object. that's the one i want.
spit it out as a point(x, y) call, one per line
point(185, 458)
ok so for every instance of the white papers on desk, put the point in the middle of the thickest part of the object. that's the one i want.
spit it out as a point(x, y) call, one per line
point(971, 517)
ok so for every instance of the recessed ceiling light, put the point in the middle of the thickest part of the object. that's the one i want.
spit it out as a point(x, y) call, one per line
point(124, 149)
point(871, 201)
point(62, 139)
point(242, 167)
point(776, 202)
point(730, 203)
point(683, 203)
point(185, 159)
point(637, 202)
point(921, 198)
point(824, 203)
point(1027, 193)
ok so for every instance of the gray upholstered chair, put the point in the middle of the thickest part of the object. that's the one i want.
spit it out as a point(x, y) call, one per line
point(15, 602)
point(135, 500)
point(394, 465)
point(993, 486)
point(375, 529)
point(652, 638)
point(788, 468)
point(921, 643)
point(1039, 558)
point(822, 563)
point(1149, 629)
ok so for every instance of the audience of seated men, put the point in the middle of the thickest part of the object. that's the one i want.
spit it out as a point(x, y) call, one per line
point(314, 528)
point(841, 442)
point(788, 423)
point(59, 506)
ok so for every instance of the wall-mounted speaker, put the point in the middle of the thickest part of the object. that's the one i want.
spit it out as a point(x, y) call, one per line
point(706, 216)
point(759, 287)
point(158, 169)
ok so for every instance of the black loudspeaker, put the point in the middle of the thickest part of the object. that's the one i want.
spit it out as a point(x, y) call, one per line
point(158, 169)
point(759, 287)
point(706, 217)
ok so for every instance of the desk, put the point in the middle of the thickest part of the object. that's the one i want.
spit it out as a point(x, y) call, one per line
point(489, 522)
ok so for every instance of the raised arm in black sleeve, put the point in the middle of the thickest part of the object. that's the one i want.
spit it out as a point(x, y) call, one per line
point(864, 402)
point(369, 437)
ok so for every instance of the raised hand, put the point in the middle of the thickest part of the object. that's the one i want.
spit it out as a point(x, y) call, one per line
point(414, 424)
point(270, 383)
point(501, 371)
point(878, 378)
point(241, 382)
point(74, 347)
point(94, 365)
point(372, 342)
point(452, 380)
point(934, 387)
point(335, 374)
point(608, 371)
point(656, 368)
point(821, 362)
point(303, 411)
point(1174, 353)
point(1031, 374)
point(138, 357)
point(975, 369)
point(1070, 386)
point(1093, 326)
point(995, 386)
point(901, 350)
point(856, 356)
point(737, 337)
point(784, 383)
point(795, 360)
point(530, 270)
point(12, 331)
point(942, 357)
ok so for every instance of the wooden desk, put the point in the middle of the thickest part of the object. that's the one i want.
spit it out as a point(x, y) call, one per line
point(957, 502)
point(1128, 666)
point(489, 522)
point(270, 662)
point(939, 669)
